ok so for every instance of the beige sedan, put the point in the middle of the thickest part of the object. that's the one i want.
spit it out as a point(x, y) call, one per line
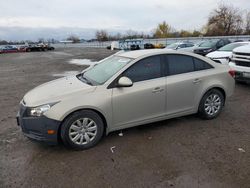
point(124, 90)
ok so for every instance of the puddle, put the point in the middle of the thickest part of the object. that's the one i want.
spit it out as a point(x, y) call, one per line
point(82, 62)
point(66, 73)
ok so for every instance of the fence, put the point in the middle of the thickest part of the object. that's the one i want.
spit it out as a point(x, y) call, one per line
point(164, 41)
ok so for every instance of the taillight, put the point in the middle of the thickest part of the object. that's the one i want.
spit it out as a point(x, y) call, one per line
point(232, 73)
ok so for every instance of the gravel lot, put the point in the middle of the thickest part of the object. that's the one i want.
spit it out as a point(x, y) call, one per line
point(182, 152)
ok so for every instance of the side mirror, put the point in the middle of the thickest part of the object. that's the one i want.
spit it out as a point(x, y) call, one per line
point(124, 82)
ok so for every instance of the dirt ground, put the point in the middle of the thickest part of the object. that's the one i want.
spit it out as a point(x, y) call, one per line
point(182, 152)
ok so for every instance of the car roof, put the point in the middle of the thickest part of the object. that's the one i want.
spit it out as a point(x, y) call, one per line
point(139, 53)
point(149, 52)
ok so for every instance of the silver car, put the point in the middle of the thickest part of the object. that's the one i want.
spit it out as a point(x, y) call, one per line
point(124, 90)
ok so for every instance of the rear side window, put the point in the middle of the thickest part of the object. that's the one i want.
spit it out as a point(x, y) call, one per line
point(201, 65)
point(178, 64)
point(189, 45)
point(145, 69)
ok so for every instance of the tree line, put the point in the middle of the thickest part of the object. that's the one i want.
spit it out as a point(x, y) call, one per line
point(224, 20)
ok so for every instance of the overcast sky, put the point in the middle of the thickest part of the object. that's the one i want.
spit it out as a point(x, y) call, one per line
point(142, 15)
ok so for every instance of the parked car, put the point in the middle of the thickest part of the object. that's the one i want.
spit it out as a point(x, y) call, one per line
point(134, 47)
point(191, 49)
point(125, 90)
point(149, 46)
point(8, 49)
point(159, 45)
point(39, 47)
point(223, 54)
point(240, 62)
point(22, 48)
point(210, 46)
point(179, 45)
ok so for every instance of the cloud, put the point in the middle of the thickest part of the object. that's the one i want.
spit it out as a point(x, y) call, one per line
point(142, 15)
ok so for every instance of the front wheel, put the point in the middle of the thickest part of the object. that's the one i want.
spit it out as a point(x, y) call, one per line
point(82, 130)
point(211, 104)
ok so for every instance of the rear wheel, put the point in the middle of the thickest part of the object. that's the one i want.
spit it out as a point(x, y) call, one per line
point(211, 104)
point(82, 130)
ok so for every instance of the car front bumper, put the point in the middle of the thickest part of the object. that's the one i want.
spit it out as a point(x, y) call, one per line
point(36, 128)
point(241, 73)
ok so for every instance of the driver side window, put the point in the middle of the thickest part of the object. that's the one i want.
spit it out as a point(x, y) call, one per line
point(145, 69)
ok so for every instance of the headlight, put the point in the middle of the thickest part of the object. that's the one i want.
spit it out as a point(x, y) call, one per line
point(40, 110)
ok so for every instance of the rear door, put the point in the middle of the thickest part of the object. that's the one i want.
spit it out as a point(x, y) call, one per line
point(183, 83)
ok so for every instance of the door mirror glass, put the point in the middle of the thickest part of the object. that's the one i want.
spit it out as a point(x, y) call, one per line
point(124, 82)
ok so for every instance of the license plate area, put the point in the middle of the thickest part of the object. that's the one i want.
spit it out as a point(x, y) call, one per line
point(246, 74)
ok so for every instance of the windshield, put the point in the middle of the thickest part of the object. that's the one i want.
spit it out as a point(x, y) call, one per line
point(103, 71)
point(172, 46)
point(230, 47)
point(208, 44)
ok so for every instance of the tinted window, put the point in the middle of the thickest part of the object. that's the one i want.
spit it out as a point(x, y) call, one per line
point(145, 69)
point(178, 64)
point(220, 43)
point(182, 46)
point(201, 65)
point(189, 45)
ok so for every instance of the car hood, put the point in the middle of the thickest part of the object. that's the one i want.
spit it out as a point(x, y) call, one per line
point(242, 49)
point(55, 91)
point(219, 54)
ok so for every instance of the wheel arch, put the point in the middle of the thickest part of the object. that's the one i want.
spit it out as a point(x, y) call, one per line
point(90, 109)
point(221, 89)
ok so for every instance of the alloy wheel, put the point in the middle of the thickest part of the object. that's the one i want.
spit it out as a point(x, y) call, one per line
point(82, 131)
point(212, 104)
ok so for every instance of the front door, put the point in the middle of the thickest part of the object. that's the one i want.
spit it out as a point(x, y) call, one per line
point(144, 100)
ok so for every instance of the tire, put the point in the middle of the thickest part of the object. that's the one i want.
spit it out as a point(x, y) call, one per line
point(82, 130)
point(211, 104)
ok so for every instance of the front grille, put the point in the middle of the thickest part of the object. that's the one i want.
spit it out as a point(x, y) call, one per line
point(242, 63)
point(240, 53)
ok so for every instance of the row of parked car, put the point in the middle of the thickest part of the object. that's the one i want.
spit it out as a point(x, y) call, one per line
point(26, 48)
point(235, 54)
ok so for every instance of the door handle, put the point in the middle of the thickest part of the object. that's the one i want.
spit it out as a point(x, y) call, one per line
point(197, 80)
point(157, 89)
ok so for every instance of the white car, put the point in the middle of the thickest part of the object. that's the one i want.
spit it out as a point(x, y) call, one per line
point(240, 62)
point(223, 54)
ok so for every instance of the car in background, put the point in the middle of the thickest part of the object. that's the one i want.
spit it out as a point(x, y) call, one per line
point(210, 46)
point(149, 46)
point(124, 90)
point(39, 47)
point(191, 49)
point(240, 62)
point(134, 47)
point(8, 49)
point(223, 54)
point(179, 45)
point(159, 45)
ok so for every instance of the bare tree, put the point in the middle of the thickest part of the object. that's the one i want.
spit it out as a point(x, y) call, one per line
point(247, 23)
point(74, 38)
point(225, 20)
point(102, 35)
point(41, 40)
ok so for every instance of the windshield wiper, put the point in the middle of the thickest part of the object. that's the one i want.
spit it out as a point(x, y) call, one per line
point(84, 79)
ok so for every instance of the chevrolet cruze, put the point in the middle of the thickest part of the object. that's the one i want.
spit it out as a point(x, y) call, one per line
point(124, 90)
